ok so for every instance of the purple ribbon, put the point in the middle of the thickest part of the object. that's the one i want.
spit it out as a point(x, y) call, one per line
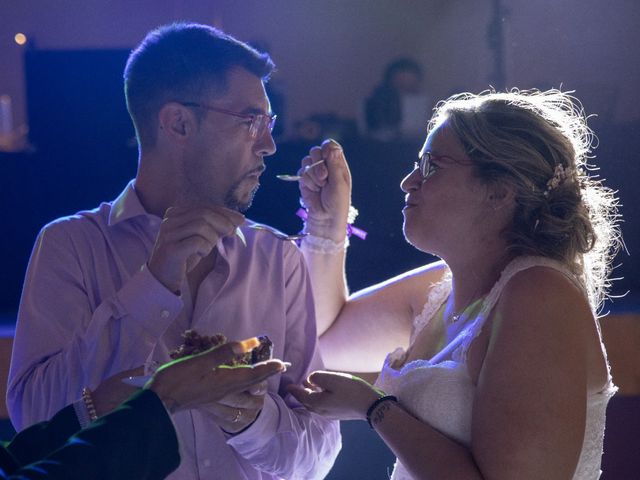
point(351, 230)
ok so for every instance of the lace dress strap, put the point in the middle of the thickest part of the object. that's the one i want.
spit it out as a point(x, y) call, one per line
point(516, 265)
point(438, 294)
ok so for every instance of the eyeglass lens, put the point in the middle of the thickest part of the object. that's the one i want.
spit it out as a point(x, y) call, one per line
point(261, 123)
point(425, 161)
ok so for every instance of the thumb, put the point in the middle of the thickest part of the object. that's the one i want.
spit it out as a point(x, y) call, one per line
point(329, 381)
point(228, 351)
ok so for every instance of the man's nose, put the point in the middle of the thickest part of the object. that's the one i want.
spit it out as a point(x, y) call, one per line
point(265, 145)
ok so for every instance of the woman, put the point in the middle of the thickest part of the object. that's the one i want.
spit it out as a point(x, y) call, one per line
point(137, 440)
point(504, 373)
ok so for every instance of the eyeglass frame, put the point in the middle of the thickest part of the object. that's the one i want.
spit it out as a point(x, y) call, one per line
point(256, 130)
point(424, 162)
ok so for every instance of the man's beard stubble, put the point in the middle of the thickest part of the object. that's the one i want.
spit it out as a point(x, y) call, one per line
point(232, 202)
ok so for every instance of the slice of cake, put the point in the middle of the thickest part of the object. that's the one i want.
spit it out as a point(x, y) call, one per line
point(194, 343)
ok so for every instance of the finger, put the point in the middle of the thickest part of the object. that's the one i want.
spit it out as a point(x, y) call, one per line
point(306, 161)
point(245, 378)
point(329, 146)
point(335, 160)
point(329, 381)
point(190, 213)
point(243, 400)
point(234, 216)
point(315, 177)
point(204, 363)
point(316, 154)
point(300, 393)
point(224, 412)
point(228, 351)
point(258, 389)
point(209, 222)
point(312, 176)
point(134, 372)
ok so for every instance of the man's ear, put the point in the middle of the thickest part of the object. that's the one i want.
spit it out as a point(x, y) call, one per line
point(176, 121)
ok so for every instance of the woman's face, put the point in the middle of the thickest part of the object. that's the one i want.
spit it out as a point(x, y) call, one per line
point(447, 209)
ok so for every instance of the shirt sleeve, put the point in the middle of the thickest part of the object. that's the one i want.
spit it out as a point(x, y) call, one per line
point(77, 326)
point(137, 440)
point(287, 440)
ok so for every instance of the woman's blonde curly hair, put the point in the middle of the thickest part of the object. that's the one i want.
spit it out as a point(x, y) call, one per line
point(538, 143)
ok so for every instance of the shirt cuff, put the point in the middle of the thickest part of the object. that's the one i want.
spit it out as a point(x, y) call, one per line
point(261, 431)
point(149, 302)
point(82, 413)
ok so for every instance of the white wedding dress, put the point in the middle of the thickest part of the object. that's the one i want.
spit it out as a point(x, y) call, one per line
point(440, 392)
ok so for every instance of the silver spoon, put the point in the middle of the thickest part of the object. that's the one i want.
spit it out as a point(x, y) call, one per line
point(295, 178)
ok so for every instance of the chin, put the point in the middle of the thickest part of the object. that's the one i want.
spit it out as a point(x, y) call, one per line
point(241, 203)
point(417, 239)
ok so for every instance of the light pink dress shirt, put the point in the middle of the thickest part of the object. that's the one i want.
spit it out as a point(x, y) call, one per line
point(90, 309)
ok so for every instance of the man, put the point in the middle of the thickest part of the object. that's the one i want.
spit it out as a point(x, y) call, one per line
point(112, 289)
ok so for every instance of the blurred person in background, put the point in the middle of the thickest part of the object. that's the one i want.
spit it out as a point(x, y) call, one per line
point(397, 108)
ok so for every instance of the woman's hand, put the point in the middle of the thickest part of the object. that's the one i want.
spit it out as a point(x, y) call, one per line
point(203, 379)
point(326, 191)
point(338, 396)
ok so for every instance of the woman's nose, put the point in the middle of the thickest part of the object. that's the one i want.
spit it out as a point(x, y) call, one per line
point(412, 181)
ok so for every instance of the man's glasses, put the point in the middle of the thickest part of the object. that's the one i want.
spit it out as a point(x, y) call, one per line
point(260, 122)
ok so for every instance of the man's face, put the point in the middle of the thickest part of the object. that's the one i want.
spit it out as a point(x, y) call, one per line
point(223, 163)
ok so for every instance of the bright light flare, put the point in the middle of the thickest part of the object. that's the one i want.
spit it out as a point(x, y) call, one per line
point(20, 38)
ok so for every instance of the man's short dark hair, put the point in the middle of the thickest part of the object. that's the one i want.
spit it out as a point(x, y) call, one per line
point(183, 62)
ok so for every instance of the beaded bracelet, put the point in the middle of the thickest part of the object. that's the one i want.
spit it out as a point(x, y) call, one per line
point(375, 405)
point(316, 244)
point(88, 402)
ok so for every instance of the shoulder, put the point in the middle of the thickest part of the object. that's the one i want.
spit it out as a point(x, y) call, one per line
point(543, 289)
point(542, 310)
point(86, 223)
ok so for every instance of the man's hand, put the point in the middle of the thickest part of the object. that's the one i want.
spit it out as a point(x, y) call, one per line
point(326, 190)
point(113, 391)
point(186, 236)
point(202, 381)
point(237, 411)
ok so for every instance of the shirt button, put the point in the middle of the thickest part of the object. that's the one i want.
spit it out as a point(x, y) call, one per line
point(164, 313)
point(206, 462)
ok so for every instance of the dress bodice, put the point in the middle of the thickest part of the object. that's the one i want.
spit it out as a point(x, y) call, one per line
point(440, 392)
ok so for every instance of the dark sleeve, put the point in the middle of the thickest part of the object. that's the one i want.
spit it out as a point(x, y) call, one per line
point(40, 439)
point(137, 441)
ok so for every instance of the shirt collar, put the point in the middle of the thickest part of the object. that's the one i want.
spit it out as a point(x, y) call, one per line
point(127, 206)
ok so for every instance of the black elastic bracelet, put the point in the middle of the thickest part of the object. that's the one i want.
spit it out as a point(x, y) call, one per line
point(375, 404)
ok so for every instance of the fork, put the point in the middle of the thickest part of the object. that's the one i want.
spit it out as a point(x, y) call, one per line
point(280, 235)
point(295, 178)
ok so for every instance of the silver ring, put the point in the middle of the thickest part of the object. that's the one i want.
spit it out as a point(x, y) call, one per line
point(237, 417)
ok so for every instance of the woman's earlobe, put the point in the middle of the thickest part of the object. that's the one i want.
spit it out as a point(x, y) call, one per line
point(500, 196)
